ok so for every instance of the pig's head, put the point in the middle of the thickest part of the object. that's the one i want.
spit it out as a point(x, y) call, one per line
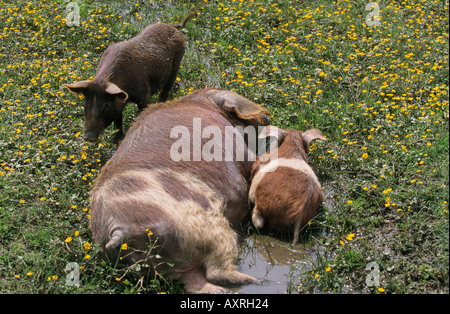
point(294, 143)
point(104, 103)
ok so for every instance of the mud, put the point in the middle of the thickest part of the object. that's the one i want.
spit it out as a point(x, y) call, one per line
point(272, 261)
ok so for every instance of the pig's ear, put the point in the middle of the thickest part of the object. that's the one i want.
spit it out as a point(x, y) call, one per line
point(113, 89)
point(273, 131)
point(309, 136)
point(238, 105)
point(275, 136)
point(78, 87)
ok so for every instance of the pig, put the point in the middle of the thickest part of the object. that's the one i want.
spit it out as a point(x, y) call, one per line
point(186, 210)
point(284, 189)
point(131, 70)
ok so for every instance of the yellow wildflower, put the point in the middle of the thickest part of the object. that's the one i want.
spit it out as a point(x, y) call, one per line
point(350, 236)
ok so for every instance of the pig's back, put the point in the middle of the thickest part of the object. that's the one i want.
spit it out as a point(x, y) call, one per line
point(148, 145)
point(147, 57)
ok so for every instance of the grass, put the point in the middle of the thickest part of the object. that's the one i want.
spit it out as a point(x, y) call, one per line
point(379, 93)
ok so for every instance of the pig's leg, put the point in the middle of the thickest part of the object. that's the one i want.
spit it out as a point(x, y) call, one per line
point(145, 101)
point(195, 282)
point(296, 232)
point(141, 107)
point(164, 94)
point(221, 266)
point(118, 125)
point(229, 276)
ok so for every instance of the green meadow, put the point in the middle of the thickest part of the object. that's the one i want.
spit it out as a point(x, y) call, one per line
point(373, 79)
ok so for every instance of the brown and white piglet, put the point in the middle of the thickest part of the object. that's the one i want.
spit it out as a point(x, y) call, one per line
point(284, 189)
point(131, 70)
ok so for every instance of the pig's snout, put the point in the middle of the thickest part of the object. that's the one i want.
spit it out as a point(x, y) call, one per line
point(90, 136)
point(92, 140)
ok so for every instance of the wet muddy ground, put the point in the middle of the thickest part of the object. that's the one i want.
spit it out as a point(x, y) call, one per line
point(271, 260)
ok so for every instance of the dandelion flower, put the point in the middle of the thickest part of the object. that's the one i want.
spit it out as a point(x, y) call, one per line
point(350, 236)
point(388, 202)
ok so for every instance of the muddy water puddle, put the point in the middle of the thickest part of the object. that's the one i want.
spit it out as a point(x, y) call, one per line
point(275, 261)
point(271, 261)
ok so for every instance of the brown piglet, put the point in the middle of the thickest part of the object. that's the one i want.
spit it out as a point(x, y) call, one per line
point(284, 189)
point(131, 70)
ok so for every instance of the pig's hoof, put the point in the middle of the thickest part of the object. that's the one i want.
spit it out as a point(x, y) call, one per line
point(204, 288)
point(213, 289)
point(90, 139)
